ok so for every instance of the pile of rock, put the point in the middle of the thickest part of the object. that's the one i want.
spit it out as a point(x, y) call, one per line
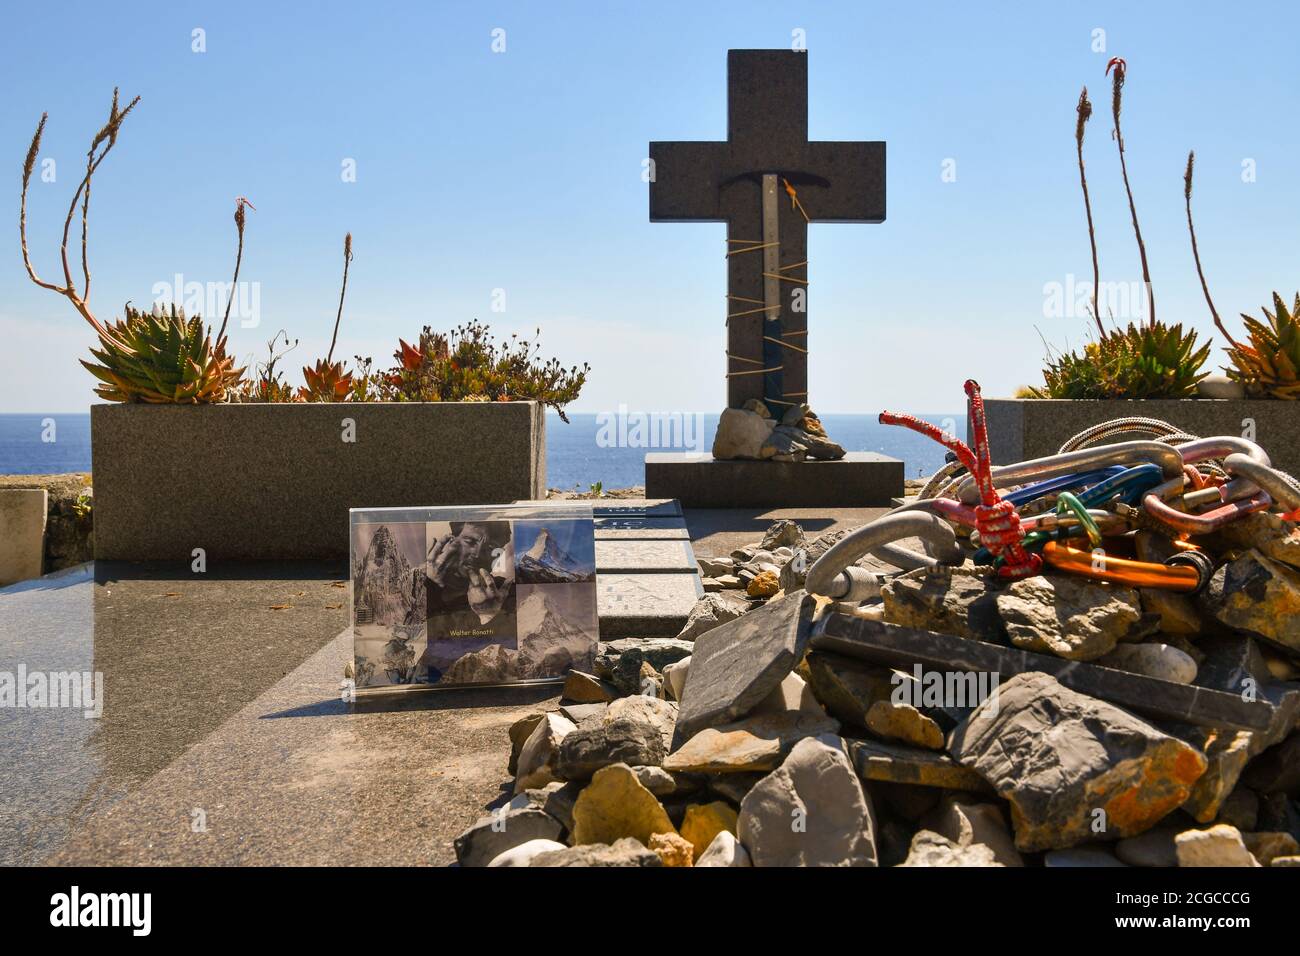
point(753, 432)
point(738, 743)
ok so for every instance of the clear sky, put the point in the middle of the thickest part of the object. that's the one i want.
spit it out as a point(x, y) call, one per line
point(521, 171)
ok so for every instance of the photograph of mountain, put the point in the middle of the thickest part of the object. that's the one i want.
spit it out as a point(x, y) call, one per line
point(558, 630)
point(555, 552)
point(389, 604)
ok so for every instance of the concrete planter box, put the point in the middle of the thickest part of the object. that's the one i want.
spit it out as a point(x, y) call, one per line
point(1032, 428)
point(276, 481)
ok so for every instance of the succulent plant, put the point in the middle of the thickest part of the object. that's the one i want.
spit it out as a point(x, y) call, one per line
point(1141, 361)
point(327, 382)
point(162, 358)
point(1269, 367)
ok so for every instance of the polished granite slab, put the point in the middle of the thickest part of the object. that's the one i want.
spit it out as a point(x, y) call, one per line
point(180, 653)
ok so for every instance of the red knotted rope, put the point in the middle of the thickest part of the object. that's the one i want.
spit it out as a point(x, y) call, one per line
point(996, 520)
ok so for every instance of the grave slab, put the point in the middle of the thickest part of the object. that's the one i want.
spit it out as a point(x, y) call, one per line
point(902, 646)
point(644, 557)
point(859, 479)
point(22, 533)
point(645, 605)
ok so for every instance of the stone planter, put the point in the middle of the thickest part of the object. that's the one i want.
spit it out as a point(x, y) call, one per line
point(276, 481)
point(1033, 428)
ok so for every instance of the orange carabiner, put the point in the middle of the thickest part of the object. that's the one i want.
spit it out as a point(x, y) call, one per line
point(1138, 574)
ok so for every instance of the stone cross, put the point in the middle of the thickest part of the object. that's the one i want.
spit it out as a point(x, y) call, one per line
point(747, 182)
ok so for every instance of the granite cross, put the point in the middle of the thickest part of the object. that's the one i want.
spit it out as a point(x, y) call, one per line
point(767, 182)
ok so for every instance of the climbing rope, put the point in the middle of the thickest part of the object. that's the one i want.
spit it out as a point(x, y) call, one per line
point(762, 308)
point(996, 520)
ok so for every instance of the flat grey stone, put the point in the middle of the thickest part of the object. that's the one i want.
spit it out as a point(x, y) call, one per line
point(736, 665)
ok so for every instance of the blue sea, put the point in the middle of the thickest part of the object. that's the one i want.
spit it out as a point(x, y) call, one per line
point(608, 449)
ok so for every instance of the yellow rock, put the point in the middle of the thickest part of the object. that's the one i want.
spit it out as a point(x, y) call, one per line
point(904, 723)
point(704, 821)
point(615, 805)
point(765, 584)
point(672, 849)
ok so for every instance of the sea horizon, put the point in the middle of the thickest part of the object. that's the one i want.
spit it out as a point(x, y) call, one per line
point(605, 448)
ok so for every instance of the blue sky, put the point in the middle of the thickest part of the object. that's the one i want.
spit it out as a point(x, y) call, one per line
point(521, 171)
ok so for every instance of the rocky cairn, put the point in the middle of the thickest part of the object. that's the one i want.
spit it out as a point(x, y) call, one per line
point(752, 431)
point(735, 744)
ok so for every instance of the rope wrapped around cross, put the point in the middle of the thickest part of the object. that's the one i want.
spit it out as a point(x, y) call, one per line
point(996, 520)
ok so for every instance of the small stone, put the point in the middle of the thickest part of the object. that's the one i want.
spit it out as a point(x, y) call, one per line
point(971, 824)
point(587, 689)
point(625, 852)
point(782, 533)
point(764, 585)
point(704, 821)
point(1069, 617)
point(1154, 660)
point(848, 688)
point(524, 854)
point(816, 787)
point(503, 830)
point(672, 849)
point(905, 724)
point(615, 805)
point(578, 713)
point(1218, 385)
point(759, 742)
point(658, 652)
point(675, 678)
point(1267, 847)
point(520, 731)
point(723, 582)
point(656, 779)
point(659, 714)
point(1153, 848)
point(792, 694)
point(708, 612)
point(1226, 753)
point(555, 798)
point(1259, 596)
point(712, 567)
point(587, 749)
point(1081, 856)
point(536, 764)
point(1220, 845)
point(931, 849)
point(1058, 756)
point(896, 763)
point(945, 602)
point(742, 434)
point(725, 850)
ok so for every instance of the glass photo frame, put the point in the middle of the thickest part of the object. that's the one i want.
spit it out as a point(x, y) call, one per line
point(471, 596)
